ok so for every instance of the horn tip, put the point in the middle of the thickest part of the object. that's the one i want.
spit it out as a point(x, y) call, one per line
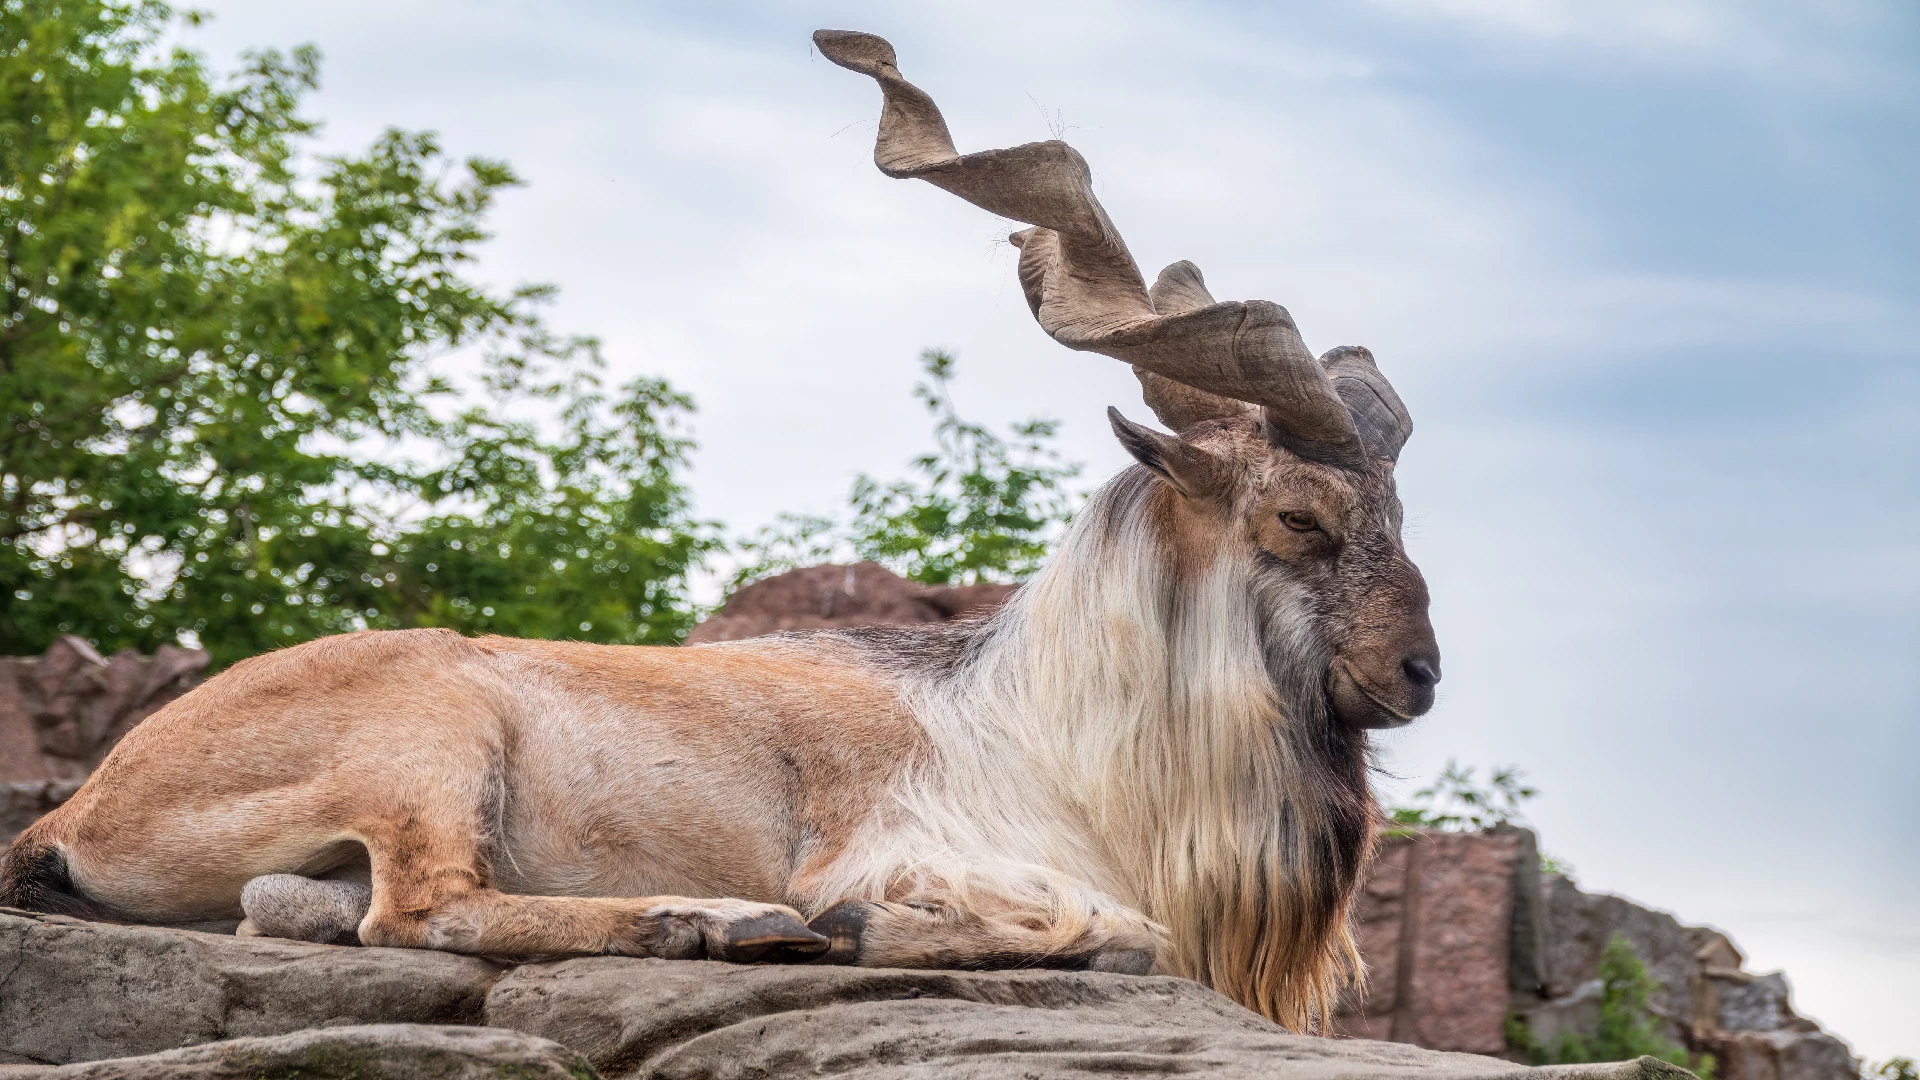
point(855, 50)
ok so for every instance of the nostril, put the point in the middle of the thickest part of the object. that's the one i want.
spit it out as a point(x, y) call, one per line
point(1421, 671)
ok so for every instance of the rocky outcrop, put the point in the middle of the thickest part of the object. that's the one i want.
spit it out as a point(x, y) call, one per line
point(382, 1051)
point(827, 597)
point(1435, 922)
point(61, 712)
point(1461, 930)
point(1708, 1000)
point(72, 991)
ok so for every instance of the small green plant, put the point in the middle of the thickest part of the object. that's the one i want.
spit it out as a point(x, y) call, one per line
point(1554, 864)
point(1899, 1068)
point(1456, 802)
point(980, 507)
point(1627, 1028)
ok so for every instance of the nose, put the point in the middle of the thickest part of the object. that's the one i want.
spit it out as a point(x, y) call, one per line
point(1421, 670)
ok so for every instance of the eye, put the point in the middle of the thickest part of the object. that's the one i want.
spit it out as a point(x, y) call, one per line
point(1299, 522)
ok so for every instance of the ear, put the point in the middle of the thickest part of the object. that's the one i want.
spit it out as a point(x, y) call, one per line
point(1192, 471)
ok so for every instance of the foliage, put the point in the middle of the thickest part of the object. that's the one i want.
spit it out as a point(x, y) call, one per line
point(1553, 864)
point(1899, 1068)
point(213, 373)
point(979, 507)
point(1627, 1028)
point(1455, 802)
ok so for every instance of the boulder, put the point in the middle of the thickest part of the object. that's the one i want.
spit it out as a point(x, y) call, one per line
point(370, 1052)
point(72, 990)
point(76, 992)
point(829, 597)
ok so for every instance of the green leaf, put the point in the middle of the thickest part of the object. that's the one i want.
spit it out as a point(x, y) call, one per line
point(221, 421)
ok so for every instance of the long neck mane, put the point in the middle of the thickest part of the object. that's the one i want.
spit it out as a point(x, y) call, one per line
point(1134, 696)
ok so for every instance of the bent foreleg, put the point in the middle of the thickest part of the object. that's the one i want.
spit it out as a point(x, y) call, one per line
point(1055, 924)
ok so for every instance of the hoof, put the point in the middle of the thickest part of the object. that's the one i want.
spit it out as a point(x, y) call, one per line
point(777, 938)
point(844, 925)
point(1121, 961)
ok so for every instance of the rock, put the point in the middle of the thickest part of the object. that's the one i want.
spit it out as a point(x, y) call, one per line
point(77, 992)
point(382, 1051)
point(72, 990)
point(1459, 929)
point(1436, 924)
point(826, 597)
point(1753, 1002)
point(1756, 1035)
point(62, 711)
point(661, 1018)
point(23, 803)
point(1783, 1055)
point(1584, 922)
point(20, 757)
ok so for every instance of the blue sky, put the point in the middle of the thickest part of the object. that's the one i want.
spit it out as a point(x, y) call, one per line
point(1644, 271)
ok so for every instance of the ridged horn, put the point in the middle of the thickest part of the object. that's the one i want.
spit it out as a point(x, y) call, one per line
point(1180, 289)
point(1084, 287)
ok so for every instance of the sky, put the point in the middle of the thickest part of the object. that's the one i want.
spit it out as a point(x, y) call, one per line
point(1645, 273)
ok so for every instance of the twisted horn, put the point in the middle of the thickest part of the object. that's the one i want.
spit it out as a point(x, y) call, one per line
point(1180, 289)
point(1087, 293)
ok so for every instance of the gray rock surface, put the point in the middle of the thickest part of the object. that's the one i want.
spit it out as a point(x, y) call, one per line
point(372, 1052)
point(1584, 922)
point(73, 991)
point(79, 991)
point(668, 1020)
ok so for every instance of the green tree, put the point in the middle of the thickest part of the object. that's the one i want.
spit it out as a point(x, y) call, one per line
point(219, 418)
point(977, 508)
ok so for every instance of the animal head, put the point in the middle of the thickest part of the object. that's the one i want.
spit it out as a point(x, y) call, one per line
point(1285, 456)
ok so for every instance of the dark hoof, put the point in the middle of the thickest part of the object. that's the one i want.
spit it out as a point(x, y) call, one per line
point(844, 924)
point(770, 939)
point(1121, 961)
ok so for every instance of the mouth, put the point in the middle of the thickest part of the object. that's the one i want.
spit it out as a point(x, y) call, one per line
point(1360, 705)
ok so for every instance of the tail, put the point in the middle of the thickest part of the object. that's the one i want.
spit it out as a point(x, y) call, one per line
point(34, 877)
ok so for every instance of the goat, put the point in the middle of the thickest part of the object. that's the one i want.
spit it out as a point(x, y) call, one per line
point(1153, 758)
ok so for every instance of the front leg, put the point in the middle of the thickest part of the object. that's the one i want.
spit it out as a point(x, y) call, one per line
point(480, 920)
point(931, 927)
